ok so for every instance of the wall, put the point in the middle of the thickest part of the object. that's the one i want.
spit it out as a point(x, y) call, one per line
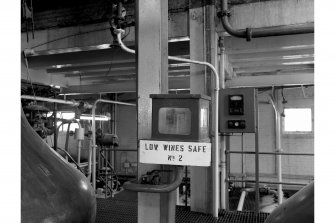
point(294, 168)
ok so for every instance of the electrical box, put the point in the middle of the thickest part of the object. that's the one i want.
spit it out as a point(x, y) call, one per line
point(237, 110)
point(183, 117)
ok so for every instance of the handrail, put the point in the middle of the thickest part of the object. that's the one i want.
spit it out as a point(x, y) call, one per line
point(270, 153)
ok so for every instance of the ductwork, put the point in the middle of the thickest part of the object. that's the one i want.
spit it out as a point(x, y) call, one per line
point(250, 33)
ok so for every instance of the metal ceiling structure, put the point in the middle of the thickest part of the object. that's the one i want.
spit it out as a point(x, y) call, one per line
point(105, 67)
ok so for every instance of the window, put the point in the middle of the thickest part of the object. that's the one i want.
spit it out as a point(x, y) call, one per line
point(298, 120)
point(175, 121)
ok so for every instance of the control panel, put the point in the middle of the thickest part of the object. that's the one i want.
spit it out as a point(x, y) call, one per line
point(238, 107)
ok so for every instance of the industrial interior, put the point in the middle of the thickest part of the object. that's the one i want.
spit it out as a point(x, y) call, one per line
point(169, 111)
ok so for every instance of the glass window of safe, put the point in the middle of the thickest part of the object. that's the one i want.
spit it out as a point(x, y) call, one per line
point(175, 121)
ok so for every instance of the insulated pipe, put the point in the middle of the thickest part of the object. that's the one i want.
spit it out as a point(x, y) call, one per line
point(223, 189)
point(59, 101)
point(94, 149)
point(278, 149)
point(250, 33)
point(242, 198)
point(215, 113)
point(241, 201)
point(163, 188)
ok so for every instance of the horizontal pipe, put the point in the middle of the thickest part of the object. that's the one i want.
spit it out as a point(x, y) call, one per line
point(163, 188)
point(124, 150)
point(250, 33)
point(53, 100)
point(267, 182)
point(271, 153)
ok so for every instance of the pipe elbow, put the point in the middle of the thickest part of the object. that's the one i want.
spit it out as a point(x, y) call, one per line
point(163, 188)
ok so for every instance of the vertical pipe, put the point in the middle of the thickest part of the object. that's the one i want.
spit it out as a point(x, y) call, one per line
point(186, 186)
point(227, 170)
point(55, 126)
point(79, 152)
point(90, 161)
point(279, 161)
point(94, 147)
point(256, 159)
point(67, 140)
point(242, 160)
point(224, 194)
point(278, 149)
point(241, 201)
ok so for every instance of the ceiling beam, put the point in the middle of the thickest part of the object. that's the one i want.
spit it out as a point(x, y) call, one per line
point(284, 54)
point(92, 67)
point(272, 68)
point(269, 44)
point(270, 13)
point(272, 63)
point(271, 80)
point(129, 86)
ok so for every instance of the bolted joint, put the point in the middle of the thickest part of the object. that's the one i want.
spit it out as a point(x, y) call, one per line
point(248, 32)
point(223, 14)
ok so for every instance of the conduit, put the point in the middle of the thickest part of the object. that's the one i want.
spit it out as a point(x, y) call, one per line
point(278, 149)
point(250, 33)
point(215, 100)
point(94, 149)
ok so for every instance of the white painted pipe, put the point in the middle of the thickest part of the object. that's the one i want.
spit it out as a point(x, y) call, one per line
point(53, 100)
point(94, 146)
point(215, 113)
point(222, 141)
point(241, 201)
point(278, 149)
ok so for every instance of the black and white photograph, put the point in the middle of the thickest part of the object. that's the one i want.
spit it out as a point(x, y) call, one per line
point(167, 111)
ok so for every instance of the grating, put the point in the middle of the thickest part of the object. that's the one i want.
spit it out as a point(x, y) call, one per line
point(123, 211)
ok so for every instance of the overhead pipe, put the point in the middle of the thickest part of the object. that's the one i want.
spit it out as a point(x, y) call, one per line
point(215, 113)
point(94, 146)
point(278, 149)
point(250, 33)
point(53, 100)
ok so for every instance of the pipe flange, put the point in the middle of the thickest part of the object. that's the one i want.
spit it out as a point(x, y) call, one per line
point(248, 34)
point(224, 13)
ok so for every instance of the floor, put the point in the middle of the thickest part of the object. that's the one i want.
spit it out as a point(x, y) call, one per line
point(123, 209)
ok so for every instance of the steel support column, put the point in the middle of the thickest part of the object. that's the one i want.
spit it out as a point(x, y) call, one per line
point(200, 176)
point(203, 47)
point(152, 78)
